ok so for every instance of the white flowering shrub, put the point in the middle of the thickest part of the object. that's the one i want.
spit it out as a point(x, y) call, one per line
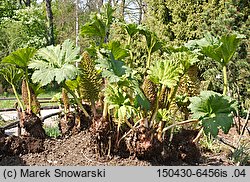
point(27, 27)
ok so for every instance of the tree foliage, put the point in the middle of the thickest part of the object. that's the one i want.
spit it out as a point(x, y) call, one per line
point(177, 22)
point(23, 28)
point(183, 20)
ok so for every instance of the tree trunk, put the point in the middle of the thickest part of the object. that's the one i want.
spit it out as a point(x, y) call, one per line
point(110, 2)
point(50, 20)
point(122, 9)
point(140, 12)
point(27, 3)
point(77, 23)
point(100, 4)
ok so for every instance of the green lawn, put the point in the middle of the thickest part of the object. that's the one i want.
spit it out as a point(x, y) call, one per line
point(10, 103)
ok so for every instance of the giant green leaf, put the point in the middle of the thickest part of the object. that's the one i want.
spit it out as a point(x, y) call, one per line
point(185, 59)
point(214, 123)
point(153, 42)
point(96, 28)
point(99, 24)
point(229, 46)
point(131, 29)
point(214, 110)
point(223, 50)
point(117, 51)
point(10, 73)
point(43, 76)
point(115, 96)
point(20, 57)
point(119, 103)
point(140, 99)
point(55, 63)
point(214, 52)
point(107, 14)
point(111, 68)
point(165, 72)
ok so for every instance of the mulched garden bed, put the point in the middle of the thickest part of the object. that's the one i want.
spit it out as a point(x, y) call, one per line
point(80, 150)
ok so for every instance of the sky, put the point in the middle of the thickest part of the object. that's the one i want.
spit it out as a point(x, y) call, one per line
point(128, 18)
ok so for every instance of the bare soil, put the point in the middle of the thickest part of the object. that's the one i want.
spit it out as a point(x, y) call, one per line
point(79, 150)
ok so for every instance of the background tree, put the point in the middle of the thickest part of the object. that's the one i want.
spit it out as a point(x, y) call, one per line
point(7, 8)
point(50, 22)
point(26, 2)
point(177, 22)
point(21, 28)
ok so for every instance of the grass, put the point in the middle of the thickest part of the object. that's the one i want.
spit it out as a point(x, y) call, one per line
point(241, 155)
point(52, 132)
point(7, 103)
point(209, 143)
point(4, 123)
point(4, 104)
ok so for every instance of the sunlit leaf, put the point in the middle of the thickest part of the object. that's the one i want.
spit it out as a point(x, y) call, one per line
point(21, 57)
point(153, 42)
point(10, 73)
point(111, 68)
point(214, 110)
point(118, 52)
point(96, 28)
point(223, 50)
point(55, 63)
point(72, 84)
point(131, 29)
point(119, 103)
point(165, 72)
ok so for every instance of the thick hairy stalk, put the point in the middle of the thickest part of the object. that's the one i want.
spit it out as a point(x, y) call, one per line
point(28, 90)
point(35, 104)
point(76, 99)
point(168, 102)
point(24, 90)
point(93, 108)
point(131, 59)
point(172, 95)
point(162, 103)
point(156, 107)
point(17, 97)
point(105, 111)
point(149, 58)
point(130, 53)
point(65, 100)
point(29, 96)
point(163, 97)
point(26, 95)
point(225, 80)
point(181, 123)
